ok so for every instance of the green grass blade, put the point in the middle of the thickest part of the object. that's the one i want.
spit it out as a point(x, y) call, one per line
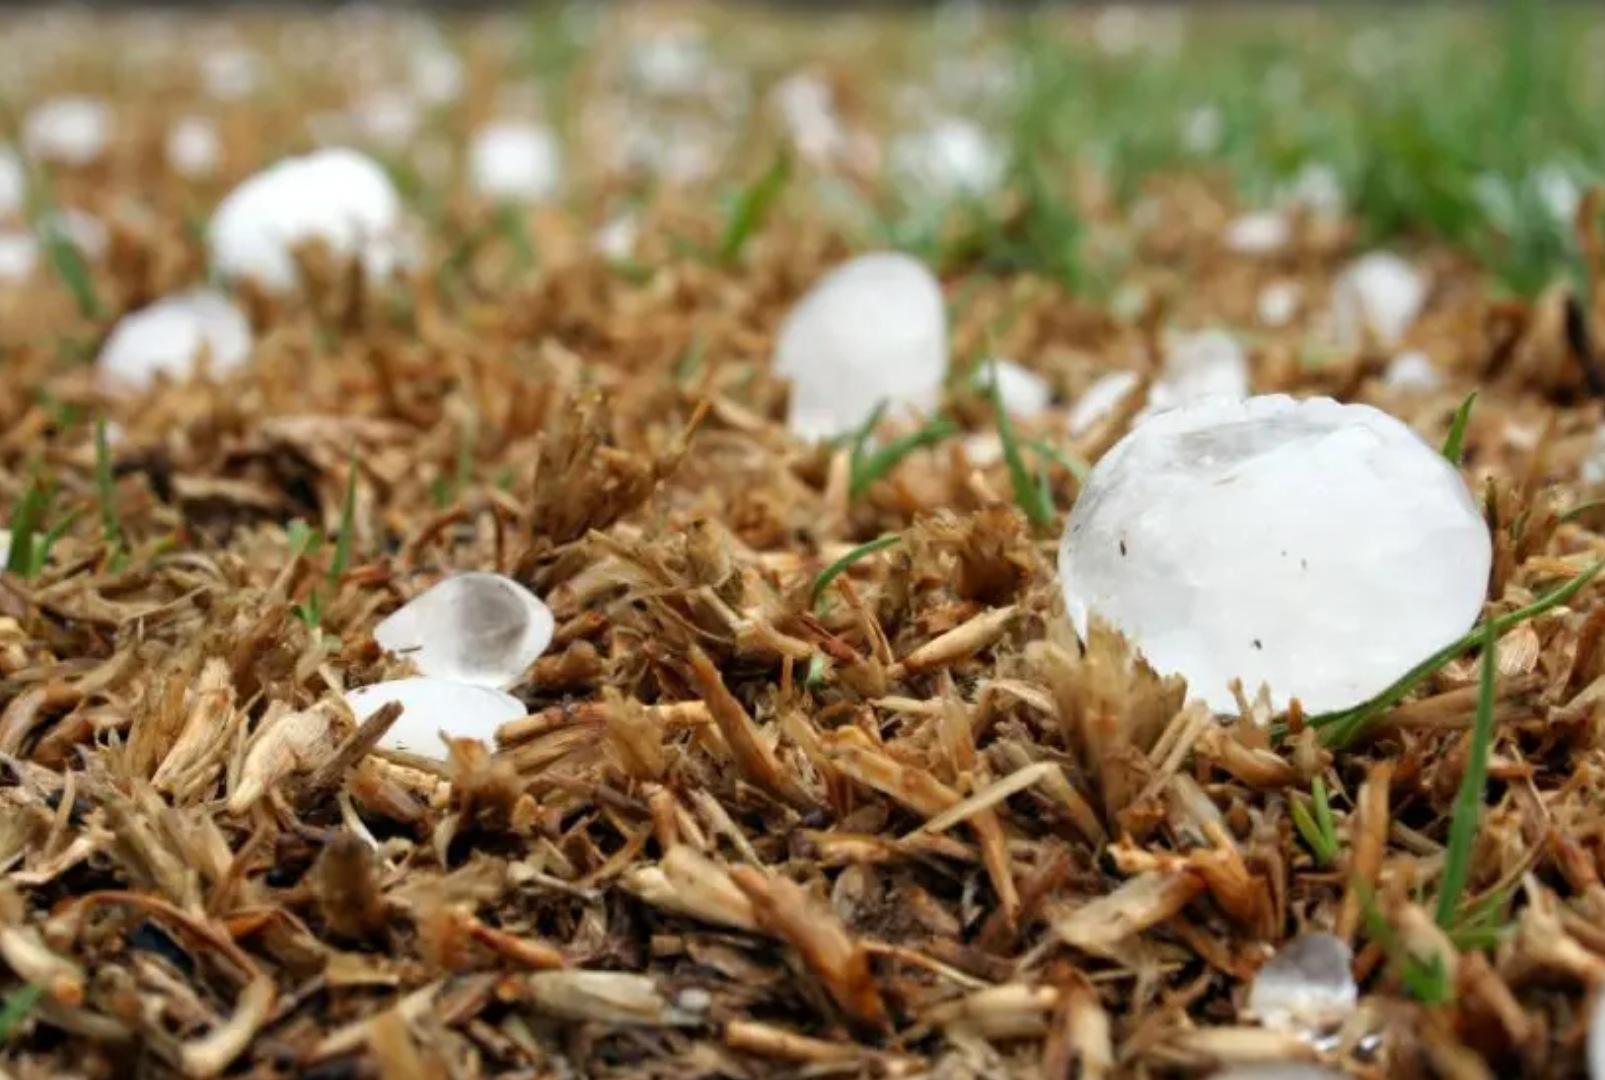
point(837, 568)
point(42, 548)
point(69, 264)
point(342, 540)
point(1030, 498)
point(1454, 445)
point(1311, 832)
point(752, 207)
point(18, 1004)
point(1468, 803)
point(872, 467)
point(26, 519)
point(1323, 814)
point(1075, 466)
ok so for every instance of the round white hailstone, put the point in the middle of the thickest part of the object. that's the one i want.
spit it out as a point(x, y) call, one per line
point(1278, 302)
point(1379, 293)
point(1596, 1037)
point(435, 73)
point(515, 159)
point(807, 109)
point(1024, 393)
point(1099, 400)
point(193, 147)
point(336, 196)
point(67, 130)
point(1320, 548)
point(13, 182)
point(983, 448)
point(230, 73)
point(168, 339)
point(478, 628)
point(674, 60)
point(19, 255)
point(432, 707)
point(1307, 986)
point(616, 239)
point(1412, 371)
point(872, 330)
point(1207, 363)
point(1262, 232)
point(950, 158)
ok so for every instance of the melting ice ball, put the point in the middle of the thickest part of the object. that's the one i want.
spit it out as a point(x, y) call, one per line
point(874, 329)
point(514, 159)
point(1306, 986)
point(168, 338)
point(477, 628)
point(431, 707)
point(1380, 293)
point(1320, 548)
point(336, 196)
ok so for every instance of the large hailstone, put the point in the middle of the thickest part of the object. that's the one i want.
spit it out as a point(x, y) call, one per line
point(515, 159)
point(336, 196)
point(433, 707)
point(872, 330)
point(168, 338)
point(68, 130)
point(1379, 293)
point(1319, 548)
point(477, 628)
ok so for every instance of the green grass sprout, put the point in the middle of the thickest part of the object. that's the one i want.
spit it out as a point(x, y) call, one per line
point(1317, 828)
point(1032, 499)
point(752, 207)
point(870, 467)
point(1468, 803)
point(1454, 445)
point(837, 568)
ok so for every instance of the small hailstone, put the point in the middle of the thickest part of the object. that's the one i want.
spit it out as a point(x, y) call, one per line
point(336, 196)
point(230, 73)
point(1320, 548)
point(478, 628)
point(1278, 302)
point(19, 255)
point(1023, 391)
point(807, 109)
point(1308, 985)
point(616, 239)
point(1593, 470)
point(1316, 187)
point(1558, 191)
point(515, 159)
point(434, 72)
point(68, 130)
point(1261, 232)
point(431, 707)
point(5, 547)
point(388, 118)
point(13, 183)
point(1379, 292)
point(1208, 363)
point(193, 147)
point(1202, 128)
point(1099, 400)
point(168, 337)
point(1412, 371)
point(873, 329)
point(673, 60)
point(952, 157)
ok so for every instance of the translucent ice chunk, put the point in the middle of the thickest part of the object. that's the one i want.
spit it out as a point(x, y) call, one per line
point(336, 196)
point(1099, 400)
point(477, 628)
point(19, 254)
point(874, 329)
point(1320, 548)
point(1308, 985)
point(1379, 293)
point(431, 707)
point(515, 159)
point(168, 338)
point(1024, 393)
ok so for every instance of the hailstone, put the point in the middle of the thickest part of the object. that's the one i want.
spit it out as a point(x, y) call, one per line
point(19, 255)
point(1023, 392)
point(1261, 232)
point(193, 147)
point(1197, 365)
point(13, 183)
point(515, 159)
point(1319, 548)
point(1099, 400)
point(1412, 371)
point(336, 196)
point(1379, 293)
point(432, 708)
point(1308, 985)
point(68, 130)
point(872, 330)
point(478, 628)
point(951, 158)
point(168, 337)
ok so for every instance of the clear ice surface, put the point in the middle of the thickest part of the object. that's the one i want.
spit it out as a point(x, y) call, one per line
point(431, 707)
point(1306, 986)
point(873, 329)
point(1322, 549)
point(484, 629)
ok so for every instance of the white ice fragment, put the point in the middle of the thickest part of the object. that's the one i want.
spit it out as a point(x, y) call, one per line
point(230, 73)
point(478, 628)
point(168, 339)
point(950, 158)
point(1278, 302)
point(1024, 393)
point(19, 254)
point(672, 60)
point(70, 130)
point(872, 330)
point(1380, 293)
point(1259, 232)
point(335, 196)
point(5, 547)
point(806, 107)
point(1099, 400)
point(1558, 191)
point(515, 159)
point(1593, 470)
point(1205, 363)
point(1307, 986)
point(13, 183)
point(1320, 548)
point(1412, 371)
point(193, 147)
point(431, 707)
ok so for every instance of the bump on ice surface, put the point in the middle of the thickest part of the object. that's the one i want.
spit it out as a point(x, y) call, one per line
point(873, 329)
point(1379, 293)
point(432, 706)
point(1320, 548)
point(336, 196)
point(1306, 986)
point(484, 629)
point(515, 159)
point(168, 338)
